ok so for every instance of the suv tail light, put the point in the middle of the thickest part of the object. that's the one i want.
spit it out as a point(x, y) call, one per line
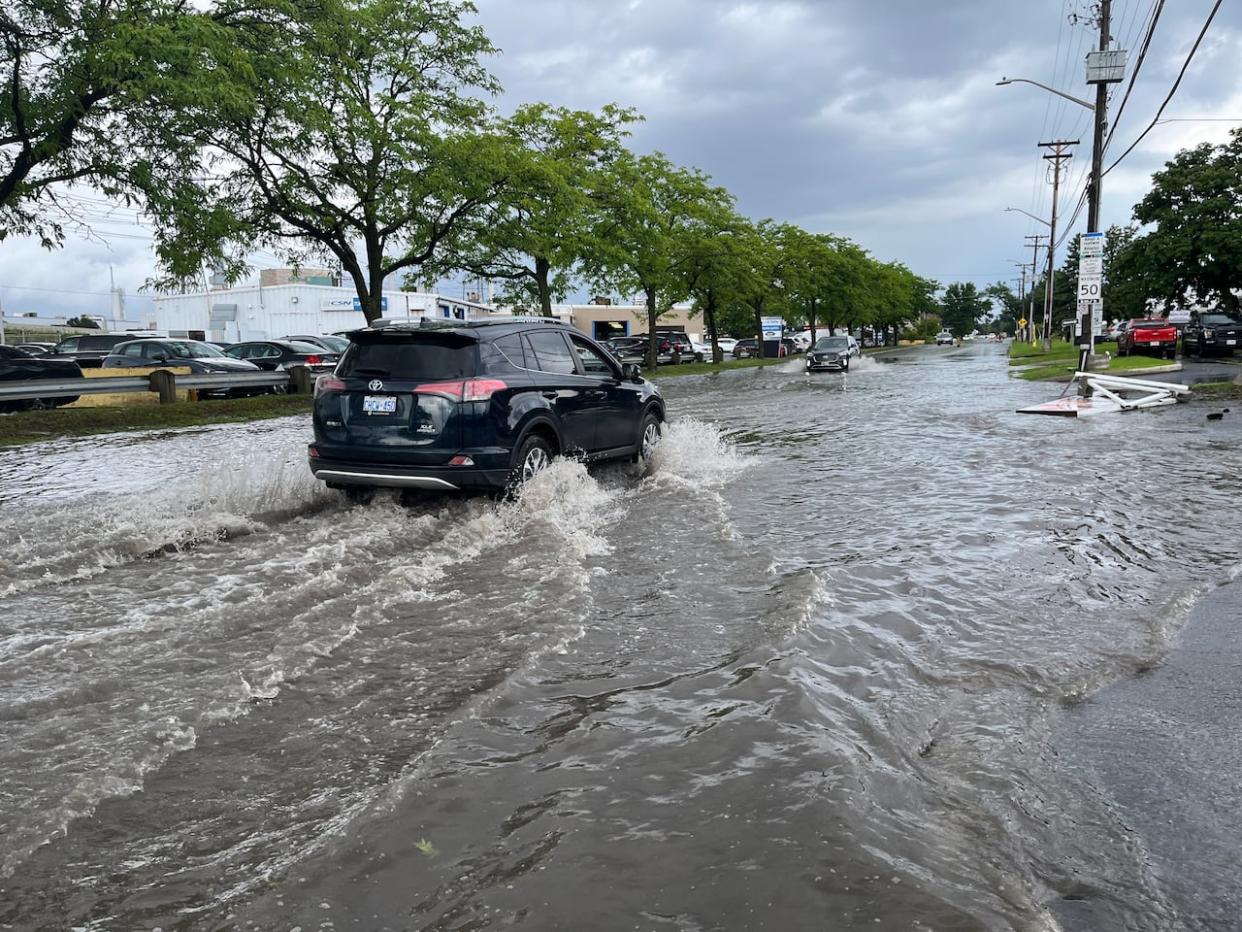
point(313, 360)
point(465, 390)
point(328, 383)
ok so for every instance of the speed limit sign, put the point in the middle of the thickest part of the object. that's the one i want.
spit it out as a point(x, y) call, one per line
point(1089, 290)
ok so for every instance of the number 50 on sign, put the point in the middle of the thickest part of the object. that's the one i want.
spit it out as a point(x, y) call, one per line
point(1088, 291)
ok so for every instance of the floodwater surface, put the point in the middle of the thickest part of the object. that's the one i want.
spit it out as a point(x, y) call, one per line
point(802, 674)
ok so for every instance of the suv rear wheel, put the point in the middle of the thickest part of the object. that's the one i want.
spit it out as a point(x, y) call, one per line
point(533, 457)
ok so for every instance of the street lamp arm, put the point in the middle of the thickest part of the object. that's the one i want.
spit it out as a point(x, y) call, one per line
point(1050, 90)
point(1019, 210)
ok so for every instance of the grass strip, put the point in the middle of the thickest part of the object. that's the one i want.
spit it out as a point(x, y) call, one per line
point(1062, 371)
point(34, 426)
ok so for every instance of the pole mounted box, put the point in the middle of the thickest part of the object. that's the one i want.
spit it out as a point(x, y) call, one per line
point(1106, 67)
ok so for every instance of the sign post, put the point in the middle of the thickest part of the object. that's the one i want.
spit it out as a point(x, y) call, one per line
point(773, 330)
point(1090, 318)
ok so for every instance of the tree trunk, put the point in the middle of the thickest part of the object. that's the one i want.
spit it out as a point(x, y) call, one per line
point(652, 314)
point(709, 318)
point(759, 330)
point(542, 267)
point(811, 318)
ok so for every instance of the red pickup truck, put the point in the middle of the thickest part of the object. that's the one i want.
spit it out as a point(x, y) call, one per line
point(1150, 334)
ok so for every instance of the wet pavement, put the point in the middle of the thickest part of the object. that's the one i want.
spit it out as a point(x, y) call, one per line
point(806, 673)
point(1165, 749)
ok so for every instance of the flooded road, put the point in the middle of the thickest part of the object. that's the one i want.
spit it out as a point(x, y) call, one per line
point(803, 675)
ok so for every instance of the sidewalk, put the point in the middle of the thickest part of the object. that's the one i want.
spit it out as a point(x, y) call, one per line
point(1167, 748)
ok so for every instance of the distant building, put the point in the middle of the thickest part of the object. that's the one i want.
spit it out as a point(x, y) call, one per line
point(284, 303)
point(602, 321)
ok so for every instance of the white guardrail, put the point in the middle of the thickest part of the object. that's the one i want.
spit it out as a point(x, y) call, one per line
point(296, 379)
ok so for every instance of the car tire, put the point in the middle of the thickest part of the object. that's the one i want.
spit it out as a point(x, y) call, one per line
point(532, 457)
point(649, 434)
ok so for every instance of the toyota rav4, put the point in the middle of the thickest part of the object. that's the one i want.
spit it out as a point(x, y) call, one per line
point(475, 405)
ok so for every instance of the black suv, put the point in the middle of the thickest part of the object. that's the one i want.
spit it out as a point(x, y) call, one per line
point(475, 405)
point(89, 350)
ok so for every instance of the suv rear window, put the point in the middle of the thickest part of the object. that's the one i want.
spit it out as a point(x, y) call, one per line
point(423, 357)
point(101, 342)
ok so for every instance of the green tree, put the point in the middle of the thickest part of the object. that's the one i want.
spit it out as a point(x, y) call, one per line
point(94, 93)
point(82, 322)
point(650, 216)
point(713, 265)
point(1006, 306)
point(1194, 250)
point(767, 255)
point(962, 307)
point(539, 227)
point(357, 143)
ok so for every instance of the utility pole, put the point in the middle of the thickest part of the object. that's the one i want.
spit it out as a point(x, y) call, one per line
point(1104, 67)
point(1030, 317)
point(1021, 296)
point(1057, 157)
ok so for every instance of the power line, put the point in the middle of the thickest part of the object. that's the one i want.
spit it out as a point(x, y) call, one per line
point(1138, 66)
point(1173, 90)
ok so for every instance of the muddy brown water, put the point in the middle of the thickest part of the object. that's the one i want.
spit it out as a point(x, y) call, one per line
point(804, 674)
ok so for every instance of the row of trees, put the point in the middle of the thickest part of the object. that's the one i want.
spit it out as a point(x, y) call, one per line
point(358, 132)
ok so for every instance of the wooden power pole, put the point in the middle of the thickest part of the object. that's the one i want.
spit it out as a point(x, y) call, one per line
point(1058, 156)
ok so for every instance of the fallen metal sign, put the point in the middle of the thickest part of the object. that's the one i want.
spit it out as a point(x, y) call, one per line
point(1112, 394)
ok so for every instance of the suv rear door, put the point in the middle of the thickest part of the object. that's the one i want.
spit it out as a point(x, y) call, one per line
point(614, 403)
point(576, 399)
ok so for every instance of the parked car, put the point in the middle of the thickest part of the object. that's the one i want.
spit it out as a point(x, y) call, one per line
point(36, 349)
point(89, 350)
point(1151, 334)
point(829, 353)
point(332, 343)
point(726, 344)
point(194, 355)
point(190, 354)
point(745, 349)
point(680, 344)
point(475, 405)
point(634, 349)
point(276, 355)
point(944, 338)
point(1211, 333)
point(16, 365)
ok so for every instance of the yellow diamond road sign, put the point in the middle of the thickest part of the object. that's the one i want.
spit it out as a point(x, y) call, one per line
point(1022, 322)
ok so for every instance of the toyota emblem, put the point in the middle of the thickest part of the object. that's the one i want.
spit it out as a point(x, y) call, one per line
point(375, 385)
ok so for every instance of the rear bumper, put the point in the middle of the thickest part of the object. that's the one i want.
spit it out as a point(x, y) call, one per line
point(388, 476)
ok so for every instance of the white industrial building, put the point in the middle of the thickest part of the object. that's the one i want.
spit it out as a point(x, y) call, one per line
point(284, 303)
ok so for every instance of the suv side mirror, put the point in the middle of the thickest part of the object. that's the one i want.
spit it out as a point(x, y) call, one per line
point(631, 372)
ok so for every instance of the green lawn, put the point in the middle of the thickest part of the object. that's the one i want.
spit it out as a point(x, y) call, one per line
point(33, 426)
point(1022, 354)
point(1062, 369)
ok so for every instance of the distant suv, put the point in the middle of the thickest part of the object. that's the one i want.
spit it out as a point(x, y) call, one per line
point(944, 338)
point(89, 350)
point(480, 405)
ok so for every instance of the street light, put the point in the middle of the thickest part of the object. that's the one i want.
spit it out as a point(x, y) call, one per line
point(1019, 210)
point(1050, 90)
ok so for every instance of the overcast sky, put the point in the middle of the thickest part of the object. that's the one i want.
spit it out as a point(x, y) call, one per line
point(879, 121)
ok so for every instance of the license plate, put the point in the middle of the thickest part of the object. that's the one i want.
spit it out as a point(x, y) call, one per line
point(1231, 342)
point(379, 404)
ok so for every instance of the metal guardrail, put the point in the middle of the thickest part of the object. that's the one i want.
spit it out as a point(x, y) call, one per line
point(31, 389)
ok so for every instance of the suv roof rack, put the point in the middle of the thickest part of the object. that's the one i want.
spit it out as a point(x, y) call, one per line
point(448, 323)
